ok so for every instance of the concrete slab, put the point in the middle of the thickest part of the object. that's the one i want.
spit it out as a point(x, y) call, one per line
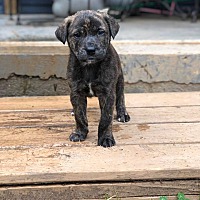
point(39, 68)
point(150, 63)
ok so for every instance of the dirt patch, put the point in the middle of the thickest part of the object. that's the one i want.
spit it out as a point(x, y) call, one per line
point(143, 127)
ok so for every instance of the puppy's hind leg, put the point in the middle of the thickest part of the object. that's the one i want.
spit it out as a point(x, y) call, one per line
point(79, 104)
point(122, 115)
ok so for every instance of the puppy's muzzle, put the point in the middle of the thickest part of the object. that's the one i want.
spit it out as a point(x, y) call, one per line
point(90, 53)
point(90, 49)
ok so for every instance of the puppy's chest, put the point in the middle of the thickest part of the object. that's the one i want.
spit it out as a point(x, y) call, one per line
point(90, 74)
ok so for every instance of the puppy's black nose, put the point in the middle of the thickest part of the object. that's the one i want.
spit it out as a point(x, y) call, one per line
point(90, 50)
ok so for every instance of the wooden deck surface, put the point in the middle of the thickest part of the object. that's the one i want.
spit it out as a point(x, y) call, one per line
point(157, 152)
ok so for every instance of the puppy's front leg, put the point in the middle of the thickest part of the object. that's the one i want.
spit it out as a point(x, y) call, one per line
point(105, 136)
point(79, 104)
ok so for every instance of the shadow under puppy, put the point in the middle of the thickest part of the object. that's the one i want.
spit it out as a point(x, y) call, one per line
point(93, 70)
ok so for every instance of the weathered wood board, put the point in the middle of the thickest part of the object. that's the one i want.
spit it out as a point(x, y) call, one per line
point(157, 152)
point(135, 191)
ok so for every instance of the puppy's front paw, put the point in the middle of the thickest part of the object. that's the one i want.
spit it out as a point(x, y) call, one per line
point(123, 117)
point(77, 137)
point(106, 141)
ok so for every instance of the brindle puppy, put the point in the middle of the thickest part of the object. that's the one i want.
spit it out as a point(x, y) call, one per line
point(94, 70)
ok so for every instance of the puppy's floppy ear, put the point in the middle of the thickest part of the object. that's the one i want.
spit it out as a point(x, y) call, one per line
point(62, 31)
point(112, 23)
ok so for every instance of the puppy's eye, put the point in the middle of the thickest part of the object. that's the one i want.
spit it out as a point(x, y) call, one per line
point(101, 32)
point(77, 34)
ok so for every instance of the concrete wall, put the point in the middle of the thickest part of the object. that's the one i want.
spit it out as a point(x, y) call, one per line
point(39, 68)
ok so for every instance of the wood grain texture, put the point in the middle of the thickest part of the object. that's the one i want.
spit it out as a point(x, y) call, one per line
point(125, 134)
point(132, 100)
point(127, 162)
point(63, 117)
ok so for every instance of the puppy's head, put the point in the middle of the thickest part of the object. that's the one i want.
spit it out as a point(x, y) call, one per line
point(88, 34)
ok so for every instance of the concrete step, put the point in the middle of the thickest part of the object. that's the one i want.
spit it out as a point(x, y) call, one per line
point(39, 68)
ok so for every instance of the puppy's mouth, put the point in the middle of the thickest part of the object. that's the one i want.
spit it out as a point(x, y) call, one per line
point(87, 59)
point(91, 59)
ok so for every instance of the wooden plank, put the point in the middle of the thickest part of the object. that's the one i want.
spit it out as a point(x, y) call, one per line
point(63, 117)
point(163, 99)
point(133, 100)
point(125, 134)
point(119, 163)
point(134, 190)
point(36, 103)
